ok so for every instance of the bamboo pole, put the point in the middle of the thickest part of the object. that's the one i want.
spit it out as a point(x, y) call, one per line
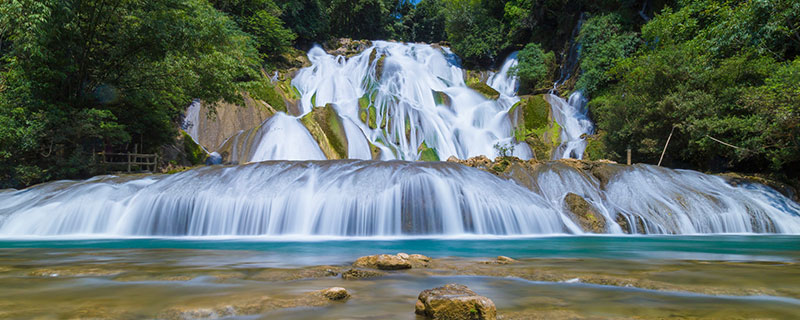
point(665, 146)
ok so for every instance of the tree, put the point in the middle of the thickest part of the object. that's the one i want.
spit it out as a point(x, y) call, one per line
point(261, 19)
point(535, 67)
point(308, 19)
point(79, 75)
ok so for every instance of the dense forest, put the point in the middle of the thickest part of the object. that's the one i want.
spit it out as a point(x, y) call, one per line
point(78, 76)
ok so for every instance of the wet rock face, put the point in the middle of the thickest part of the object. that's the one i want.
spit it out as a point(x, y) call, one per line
point(589, 219)
point(454, 302)
point(392, 262)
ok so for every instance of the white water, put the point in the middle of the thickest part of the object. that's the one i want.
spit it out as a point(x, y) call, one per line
point(388, 198)
point(575, 125)
point(403, 93)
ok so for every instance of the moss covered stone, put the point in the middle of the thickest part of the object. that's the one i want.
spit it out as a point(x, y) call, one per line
point(267, 92)
point(367, 112)
point(441, 98)
point(587, 217)
point(194, 153)
point(535, 125)
point(327, 128)
point(595, 147)
point(426, 153)
point(379, 68)
point(485, 90)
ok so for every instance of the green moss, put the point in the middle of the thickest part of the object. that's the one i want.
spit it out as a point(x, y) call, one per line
point(595, 147)
point(536, 126)
point(326, 127)
point(367, 112)
point(314, 100)
point(440, 98)
point(266, 91)
point(484, 89)
point(379, 68)
point(426, 153)
point(194, 153)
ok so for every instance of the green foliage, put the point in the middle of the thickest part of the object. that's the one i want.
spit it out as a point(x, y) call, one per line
point(603, 42)
point(102, 74)
point(260, 19)
point(427, 22)
point(504, 150)
point(713, 70)
point(361, 19)
point(535, 68)
point(474, 33)
point(308, 19)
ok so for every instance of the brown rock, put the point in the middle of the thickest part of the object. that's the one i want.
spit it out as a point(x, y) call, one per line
point(336, 293)
point(454, 302)
point(589, 219)
point(383, 262)
point(356, 274)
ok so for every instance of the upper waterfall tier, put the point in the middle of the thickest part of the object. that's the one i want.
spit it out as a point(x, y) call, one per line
point(404, 99)
point(396, 198)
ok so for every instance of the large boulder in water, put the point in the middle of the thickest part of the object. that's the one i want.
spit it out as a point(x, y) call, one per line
point(454, 302)
point(586, 215)
point(327, 128)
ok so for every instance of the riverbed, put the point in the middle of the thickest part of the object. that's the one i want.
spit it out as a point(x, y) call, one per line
point(647, 277)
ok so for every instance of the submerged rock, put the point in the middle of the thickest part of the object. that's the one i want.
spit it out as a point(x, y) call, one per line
point(454, 302)
point(501, 260)
point(586, 215)
point(357, 274)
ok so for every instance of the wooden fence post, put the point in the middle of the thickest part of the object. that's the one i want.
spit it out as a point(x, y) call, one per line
point(629, 156)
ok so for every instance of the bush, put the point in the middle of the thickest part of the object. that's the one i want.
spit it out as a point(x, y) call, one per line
point(535, 67)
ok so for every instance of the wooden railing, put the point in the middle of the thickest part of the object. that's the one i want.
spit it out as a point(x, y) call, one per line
point(147, 161)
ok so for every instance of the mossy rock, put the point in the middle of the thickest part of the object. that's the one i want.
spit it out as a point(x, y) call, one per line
point(595, 147)
point(441, 99)
point(535, 125)
point(426, 153)
point(327, 128)
point(485, 90)
point(194, 153)
point(587, 216)
point(367, 112)
point(531, 112)
point(267, 92)
point(379, 68)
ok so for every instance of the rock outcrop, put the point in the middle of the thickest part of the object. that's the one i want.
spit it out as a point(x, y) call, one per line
point(336, 293)
point(399, 261)
point(586, 215)
point(327, 128)
point(454, 302)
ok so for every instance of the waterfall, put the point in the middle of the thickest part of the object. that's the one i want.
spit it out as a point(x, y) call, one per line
point(575, 124)
point(402, 98)
point(391, 198)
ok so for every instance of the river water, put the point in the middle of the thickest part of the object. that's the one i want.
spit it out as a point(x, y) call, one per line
point(731, 276)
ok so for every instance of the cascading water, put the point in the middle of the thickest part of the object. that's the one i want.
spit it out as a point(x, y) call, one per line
point(398, 96)
point(390, 198)
point(575, 125)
